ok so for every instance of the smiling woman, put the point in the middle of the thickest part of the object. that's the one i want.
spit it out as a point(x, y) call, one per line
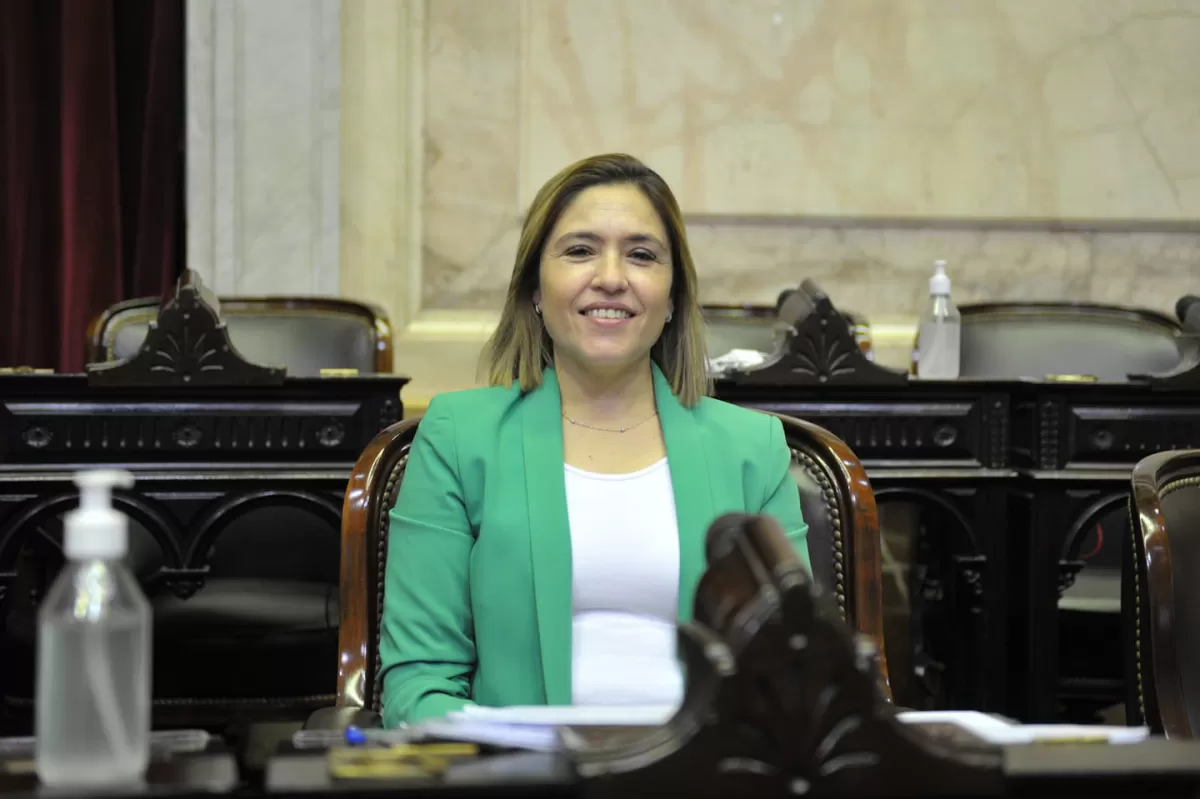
point(605, 276)
point(611, 225)
point(549, 531)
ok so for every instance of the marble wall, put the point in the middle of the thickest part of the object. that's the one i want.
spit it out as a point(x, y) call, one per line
point(1045, 149)
point(262, 145)
point(877, 108)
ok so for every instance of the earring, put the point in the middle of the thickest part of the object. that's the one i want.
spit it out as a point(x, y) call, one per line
point(537, 308)
point(670, 316)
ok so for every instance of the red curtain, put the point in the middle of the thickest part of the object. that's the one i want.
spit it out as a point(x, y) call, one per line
point(91, 167)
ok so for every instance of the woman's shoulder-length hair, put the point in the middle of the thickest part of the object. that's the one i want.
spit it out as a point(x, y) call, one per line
point(520, 348)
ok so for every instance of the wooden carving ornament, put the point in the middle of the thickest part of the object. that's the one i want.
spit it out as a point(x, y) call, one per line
point(780, 701)
point(818, 349)
point(188, 345)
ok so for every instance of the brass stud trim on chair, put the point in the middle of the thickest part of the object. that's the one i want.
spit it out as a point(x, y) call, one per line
point(813, 467)
point(391, 493)
point(1137, 614)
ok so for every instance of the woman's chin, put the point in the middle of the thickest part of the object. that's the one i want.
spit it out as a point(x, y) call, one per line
point(611, 357)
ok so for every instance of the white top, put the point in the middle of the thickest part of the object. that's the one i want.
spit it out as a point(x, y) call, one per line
point(625, 564)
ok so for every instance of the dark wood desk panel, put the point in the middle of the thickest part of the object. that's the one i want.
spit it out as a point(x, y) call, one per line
point(945, 448)
point(1014, 475)
point(201, 455)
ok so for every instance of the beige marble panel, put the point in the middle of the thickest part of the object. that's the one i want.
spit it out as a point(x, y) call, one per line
point(882, 270)
point(797, 133)
point(417, 189)
point(471, 134)
point(1072, 109)
point(262, 145)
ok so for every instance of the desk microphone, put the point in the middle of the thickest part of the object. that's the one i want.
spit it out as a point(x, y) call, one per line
point(1188, 312)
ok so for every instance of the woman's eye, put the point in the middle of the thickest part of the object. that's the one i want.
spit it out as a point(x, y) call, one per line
point(577, 251)
point(644, 255)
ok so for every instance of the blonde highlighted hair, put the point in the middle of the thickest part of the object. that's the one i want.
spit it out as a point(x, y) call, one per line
point(520, 348)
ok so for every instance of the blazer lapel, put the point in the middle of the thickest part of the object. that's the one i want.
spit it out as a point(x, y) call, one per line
point(549, 534)
point(692, 483)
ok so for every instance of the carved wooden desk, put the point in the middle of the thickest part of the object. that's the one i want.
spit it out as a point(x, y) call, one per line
point(201, 455)
point(203, 458)
point(1012, 477)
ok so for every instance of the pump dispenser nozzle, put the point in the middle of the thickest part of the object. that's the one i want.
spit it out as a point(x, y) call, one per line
point(97, 530)
point(939, 284)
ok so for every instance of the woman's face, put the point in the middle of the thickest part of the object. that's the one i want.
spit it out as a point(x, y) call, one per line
point(605, 288)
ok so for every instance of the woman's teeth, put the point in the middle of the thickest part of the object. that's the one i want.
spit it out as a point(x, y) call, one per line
point(608, 313)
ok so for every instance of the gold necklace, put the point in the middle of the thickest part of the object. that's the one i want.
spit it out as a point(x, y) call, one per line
point(609, 429)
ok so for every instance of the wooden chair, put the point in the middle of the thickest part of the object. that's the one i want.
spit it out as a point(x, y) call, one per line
point(757, 327)
point(303, 334)
point(1012, 340)
point(843, 527)
point(838, 503)
point(271, 590)
point(1161, 595)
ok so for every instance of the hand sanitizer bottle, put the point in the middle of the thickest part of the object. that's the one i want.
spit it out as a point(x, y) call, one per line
point(93, 659)
point(939, 334)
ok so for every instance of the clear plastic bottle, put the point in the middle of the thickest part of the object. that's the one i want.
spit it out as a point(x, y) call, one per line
point(93, 666)
point(939, 336)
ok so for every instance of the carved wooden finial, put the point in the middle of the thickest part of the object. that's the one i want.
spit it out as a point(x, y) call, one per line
point(818, 349)
point(188, 345)
point(781, 700)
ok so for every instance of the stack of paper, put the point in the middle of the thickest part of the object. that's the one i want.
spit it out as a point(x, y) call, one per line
point(536, 728)
point(995, 730)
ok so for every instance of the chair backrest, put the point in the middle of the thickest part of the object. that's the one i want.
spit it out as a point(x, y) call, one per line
point(305, 335)
point(740, 327)
point(758, 327)
point(1015, 340)
point(843, 527)
point(370, 496)
point(838, 504)
point(1161, 594)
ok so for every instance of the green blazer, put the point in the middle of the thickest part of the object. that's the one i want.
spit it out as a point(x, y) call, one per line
point(477, 604)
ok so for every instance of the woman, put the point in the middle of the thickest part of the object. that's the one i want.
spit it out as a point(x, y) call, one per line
point(549, 531)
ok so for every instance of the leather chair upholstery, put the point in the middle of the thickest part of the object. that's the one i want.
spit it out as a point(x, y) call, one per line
point(304, 335)
point(838, 505)
point(740, 327)
point(1161, 602)
point(1033, 340)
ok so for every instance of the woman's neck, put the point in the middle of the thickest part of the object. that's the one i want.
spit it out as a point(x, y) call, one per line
point(614, 397)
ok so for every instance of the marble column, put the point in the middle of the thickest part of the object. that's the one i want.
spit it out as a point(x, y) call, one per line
point(263, 82)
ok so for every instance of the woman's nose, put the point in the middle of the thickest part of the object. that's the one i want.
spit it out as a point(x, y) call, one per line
point(610, 271)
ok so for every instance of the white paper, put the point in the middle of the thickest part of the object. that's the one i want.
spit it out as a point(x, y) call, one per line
point(1000, 732)
point(736, 359)
point(568, 715)
point(513, 736)
point(535, 728)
